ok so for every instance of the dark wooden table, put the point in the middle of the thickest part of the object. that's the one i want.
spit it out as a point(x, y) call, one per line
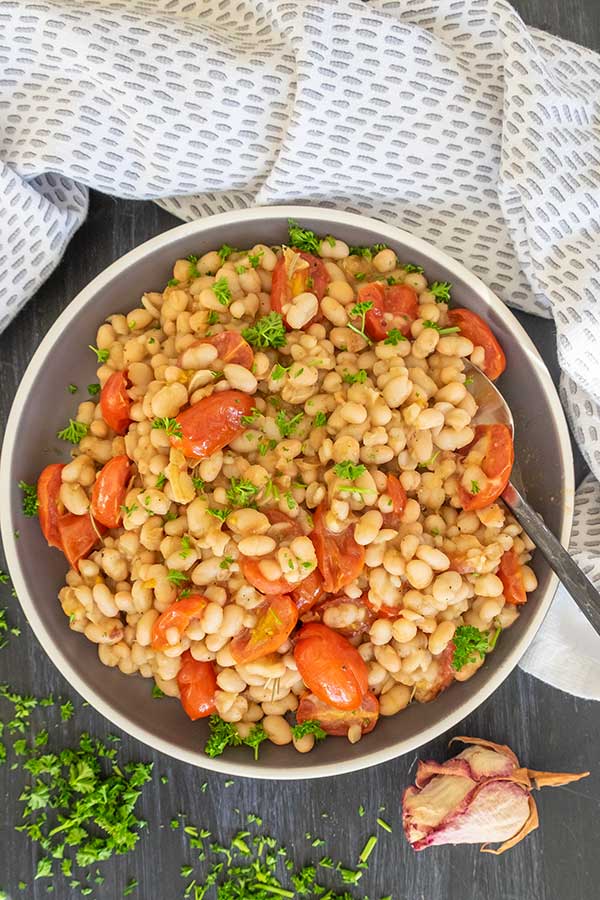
point(547, 728)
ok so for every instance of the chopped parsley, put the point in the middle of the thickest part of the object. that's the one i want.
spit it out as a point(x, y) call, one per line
point(278, 372)
point(475, 487)
point(254, 258)
point(93, 389)
point(220, 514)
point(193, 268)
point(226, 562)
point(429, 324)
point(302, 238)
point(169, 426)
point(360, 310)
point(255, 414)
point(310, 726)
point(394, 336)
point(74, 432)
point(468, 641)
point(241, 492)
point(225, 252)
point(176, 577)
point(29, 501)
point(410, 267)
point(267, 332)
point(441, 291)
point(213, 317)
point(319, 420)
point(101, 355)
point(128, 510)
point(347, 469)
point(199, 484)
point(265, 446)
point(355, 378)
point(157, 694)
point(66, 711)
point(360, 276)
point(221, 291)
point(286, 425)
point(72, 388)
point(172, 282)
point(160, 481)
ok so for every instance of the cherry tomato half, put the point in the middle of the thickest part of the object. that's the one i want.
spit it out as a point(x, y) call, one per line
point(510, 574)
point(499, 456)
point(231, 347)
point(212, 423)
point(253, 575)
point(78, 536)
point(178, 615)
point(315, 279)
point(48, 488)
point(339, 557)
point(398, 496)
point(309, 592)
point(197, 684)
point(476, 330)
point(338, 721)
point(393, 307)
point(115, 403)
point(109, 491)
point(276, 619)
point(330, 666)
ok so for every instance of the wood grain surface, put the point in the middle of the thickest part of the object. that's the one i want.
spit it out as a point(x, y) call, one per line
point(547, 729)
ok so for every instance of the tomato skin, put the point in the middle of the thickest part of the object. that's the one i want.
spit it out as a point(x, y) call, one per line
point(426, 691)
point(48, 488)
point(337, 721)
point(399, 299)
point(110, 488)
point(115, 403)
point(398, 496)
point(284, 289)
point(510, 574)
point(357, 626)
point(253, 575)
point(497, 465)
point(212, 423)
point(275, 622)
point(197, 682)
point(231, 347)
point(77, 537)
point(476, 330)
point(330, 666)
point(309, 592)
point(290, 528)
point(339, 557)
point(178, 615)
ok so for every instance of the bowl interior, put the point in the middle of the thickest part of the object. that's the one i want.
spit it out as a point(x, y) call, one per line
point(43, 406)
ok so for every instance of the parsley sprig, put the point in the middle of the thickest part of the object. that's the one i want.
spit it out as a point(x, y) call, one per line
point(74, 432)
point(303, 238)
point(267, 332)
point(360, 310)
point(310, 726)
point(221, 291)
point(441, 291)
point(29, 500)
point(394, 337)
point(468, 642)
point(169, 426)
point(225, 734)
point(355, 377)
point(241, 492)
point(101, 355)
point(441, 331)
point(287, 425)
point(349, 470)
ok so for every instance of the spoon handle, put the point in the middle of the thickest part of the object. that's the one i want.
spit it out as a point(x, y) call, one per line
point(578, 585)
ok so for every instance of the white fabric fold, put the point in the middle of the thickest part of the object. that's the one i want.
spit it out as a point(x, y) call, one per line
point(452, 119)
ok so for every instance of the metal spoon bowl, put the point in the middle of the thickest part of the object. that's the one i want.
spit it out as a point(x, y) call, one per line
point(493, 409)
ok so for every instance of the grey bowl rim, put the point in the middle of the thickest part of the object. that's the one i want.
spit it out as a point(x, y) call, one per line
point(312, 216)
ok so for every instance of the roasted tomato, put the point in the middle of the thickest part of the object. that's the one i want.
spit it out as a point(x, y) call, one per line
point(115, 403)
point(109, 491)
point(309, 592)
point(339, 557)
point(393, 307)
point(383, 611)
point(286, 526)
point(231, 347)
point(347, 616)
point(330, 666)
point(276, 619)
point(426, 690)
point(286, 286)
point(78, 536)
point(510, 574)
point(338, 721)
point(178, 615)
point(398, 495)
point(48, 488)
point(476, 330)
point(197, 684)
point(496, 444)
point(253, 575)
point(212, 423)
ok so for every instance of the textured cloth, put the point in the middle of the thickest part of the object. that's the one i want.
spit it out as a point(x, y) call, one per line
point(451, 118)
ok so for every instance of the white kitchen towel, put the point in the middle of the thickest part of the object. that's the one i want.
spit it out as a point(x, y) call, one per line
point(451, 118)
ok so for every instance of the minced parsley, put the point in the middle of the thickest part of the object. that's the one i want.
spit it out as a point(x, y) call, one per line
point(394, 336)
point(74, 432)
point(468, 641)
point(287, 425)
point(267, 332)
point(221, 291)
point(176, 577)
point(241, 492)
point(441, 291)
point(101, 355)
point(475, 487)
point(347, 469)
point(319, 420)
point(225, 252)
point(303, 238)
point(355, 377)
point(169, 426)
point(93, 389)
point(29, 501)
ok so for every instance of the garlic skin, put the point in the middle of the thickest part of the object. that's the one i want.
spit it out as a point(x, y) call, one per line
point(482, 795)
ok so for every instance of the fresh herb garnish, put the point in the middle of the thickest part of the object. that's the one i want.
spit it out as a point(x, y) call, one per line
point(302, 238)
point(278, 372)
point(241, 491)
point(157, 694)
point(222, 292)
point(226, 562)
point(101, 355)
point(255, 414)
point(319, 420)
point(160, 481)
point(29, 501)
point(360, 310)
point(286, 425)
point(72, 388)
point(355, 378)
point(74, 432)
point(441, 291)
point(429, 324)
point(254, 258)
point(468, 641)
point(475, 487)
point(128, 510)
point(225, 252)
point(410, 267)
point(176, 577)
point(93, 389)
point(347, 469)
point(267, 332)
point(220, 514)
point(172, 282)
point(394, 336)
point(310, 726)
point(213, 317)
point(199, 484)
point(169, 426)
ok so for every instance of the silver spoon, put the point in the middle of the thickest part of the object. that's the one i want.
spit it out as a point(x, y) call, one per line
point(493, 409)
